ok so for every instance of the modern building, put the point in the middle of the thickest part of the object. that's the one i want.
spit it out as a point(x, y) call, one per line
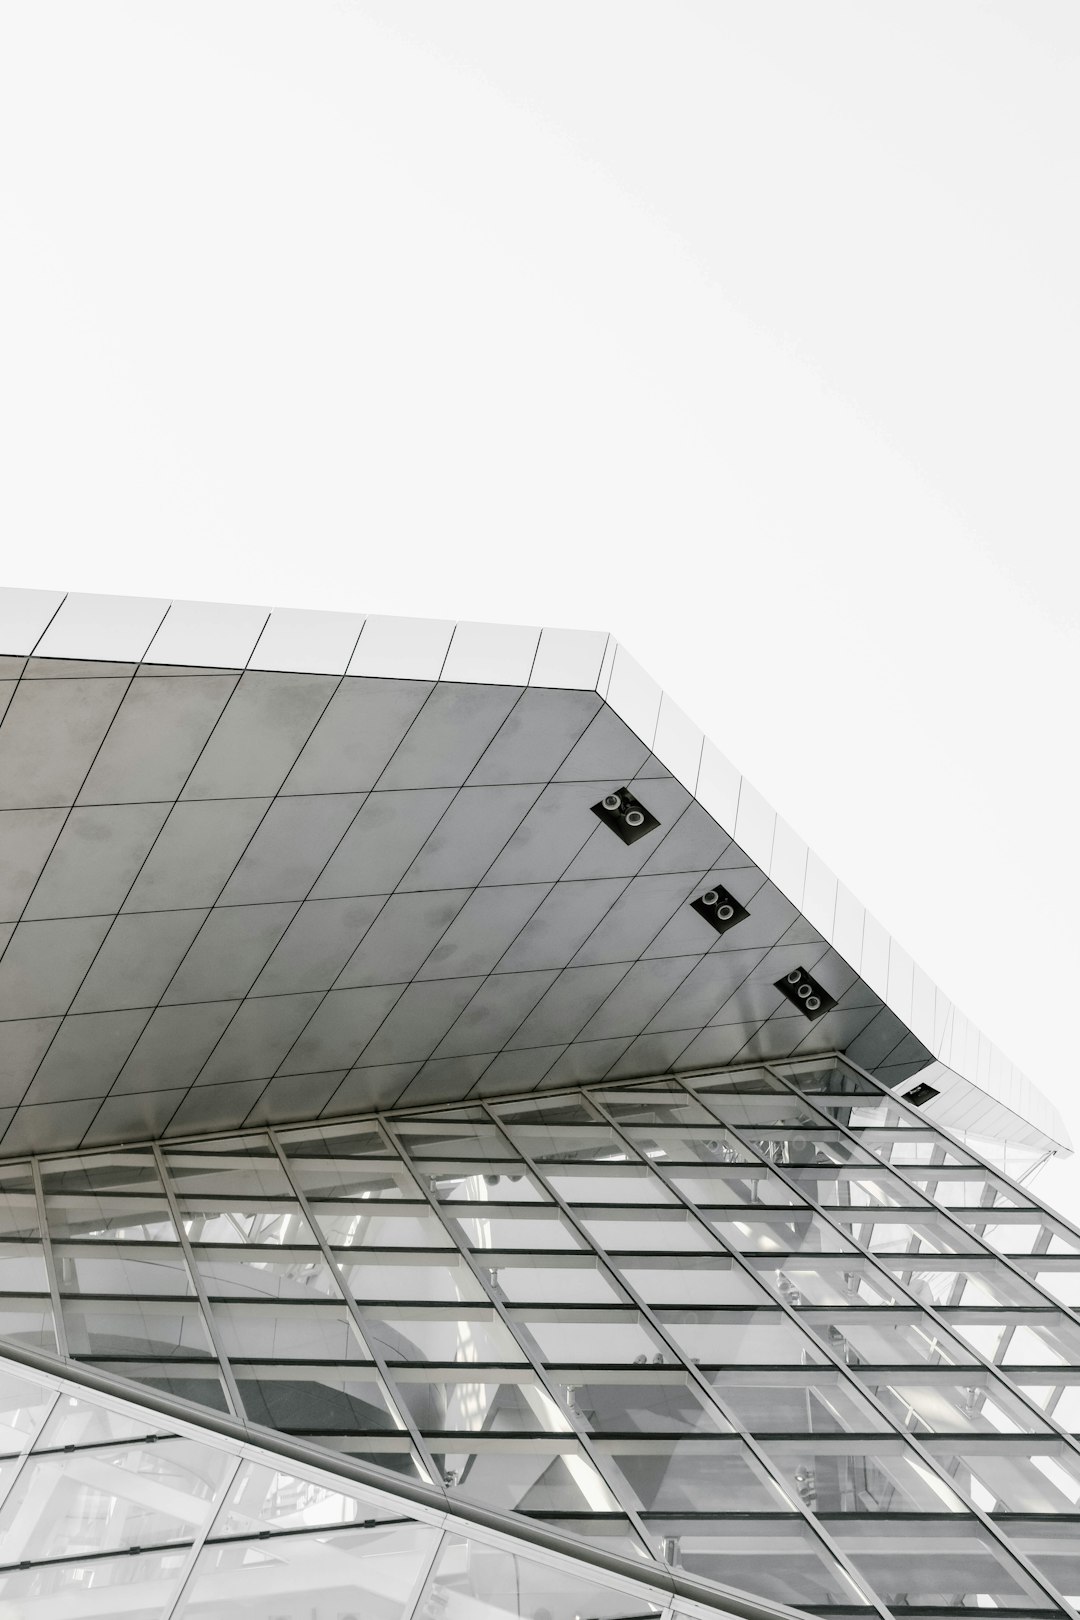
point(462, 1156)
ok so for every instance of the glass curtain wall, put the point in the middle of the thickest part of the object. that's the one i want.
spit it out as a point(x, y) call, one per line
point(768, 1325)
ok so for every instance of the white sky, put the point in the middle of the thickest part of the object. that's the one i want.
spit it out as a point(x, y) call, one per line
point(748, 331)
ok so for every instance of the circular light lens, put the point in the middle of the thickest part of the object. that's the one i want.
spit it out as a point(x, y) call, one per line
point(794, 976)
point(634, 818)
point(612, 802)
point(804, 991)
point(813, 1003)
point(725, 912)
point(710, 898)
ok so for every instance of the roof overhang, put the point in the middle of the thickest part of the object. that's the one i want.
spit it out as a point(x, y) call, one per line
point(265, 865)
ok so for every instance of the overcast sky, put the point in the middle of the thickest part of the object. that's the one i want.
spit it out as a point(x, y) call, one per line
point(749, 331)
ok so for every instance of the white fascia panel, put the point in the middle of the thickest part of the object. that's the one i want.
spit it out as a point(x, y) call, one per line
point(213, 635)
point(304, 641)
point(24, 618)
point(113, 629)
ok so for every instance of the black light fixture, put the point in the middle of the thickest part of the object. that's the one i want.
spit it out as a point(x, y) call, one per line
point(720, 909)
point(922, 1093)
point(625, 815)
point(806, 994)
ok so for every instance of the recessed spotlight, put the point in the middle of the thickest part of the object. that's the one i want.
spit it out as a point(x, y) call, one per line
point(805, 993)
point(720, 909)
point(625, 815)
point(922, 1093)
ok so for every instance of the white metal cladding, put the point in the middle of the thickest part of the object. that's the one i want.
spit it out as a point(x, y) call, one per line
point(262, 865)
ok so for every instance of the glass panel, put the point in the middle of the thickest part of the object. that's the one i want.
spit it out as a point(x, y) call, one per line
point(263, 1498)
point(853, 1186)
point(77, 1422)
point(22, 1268)
point(28, 1320)
point(927, 1234)
point(286, 1332)
point(253, 1220)
point(135, 1327)
point(654, 1403)
point(690, 1280)
point(694, 1476)
point(911, 1147)
point(830, 1077)
point(562, 1143)
point(251, 1273)
point(944, 1285)
point(781, 1560)
point(382, 1226)
point(239, 1167)
point(1018, 1232)
point(747, 1338)
point(796, 1233)
point(886, 1338)
point(133, 1495)
point(1022, 1477)
point(468, 1583)
point(409, 1276)
point(808, 1146)
point(597, 1184)
point(497, 1226)
point(654, 1104)
point(120, 1170)
point(336, 1178)
point(717, 1184)
point(967, 1189)
point(851, 1281)
point(112, 1217)
point(425, 1334)
point(953, 1564)
point(317, 1399)
point(138, 1587)
point(572, 1337)
point(18, 1203)
point(195, 1381)
point(540, 1475)
point(360, 1139)
point(551, 1278)
point(868, 1476)
point(674, 1229)
point(492, 1403)
point(703, 1144)
point(930, 1403)
point(24, 1405)
point(797, 1403)
point(465, 1134)
point(506, 1183)
point(112, 1268)
point(1031, 1339)
point(335, 1572)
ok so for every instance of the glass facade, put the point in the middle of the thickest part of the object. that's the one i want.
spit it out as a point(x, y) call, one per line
point(764, 1326)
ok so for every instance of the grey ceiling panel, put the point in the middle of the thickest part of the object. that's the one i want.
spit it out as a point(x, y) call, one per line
point(536, 737)
point(483, 930)
point(382, 843)
point(133, 1116)
point(568, 1005)
point(254, 745)
point(712, 1047)
point(500, 1005)
point(26, 837)
point(23, 1043)
point(638, 997)
point(294, 1096)
point(95, 860)
point(476, 826)
point(44, 964)
point(174, 1046)
point(49, 736)
point(258, 1039)
point(137, 959)
point(218, 1108)
point(86, 1056)
point(516, 1071)
point(419, 1020)
point(608, 751)
point(155, 739)
point(650, 1054)
point(229, 952)
point(693, 844)
point(406, 930)
point(705, 988)
point(550, 836)
point(585, 1060)
point(290, 847)
point(444, 1079)
point(316, 945)
point(376, 1087)
point(356, 736)
point(448, 736)
point(635, 919)
point(341, 1025)
point(562, 924)
point(195, 853)
point(45, 1128)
